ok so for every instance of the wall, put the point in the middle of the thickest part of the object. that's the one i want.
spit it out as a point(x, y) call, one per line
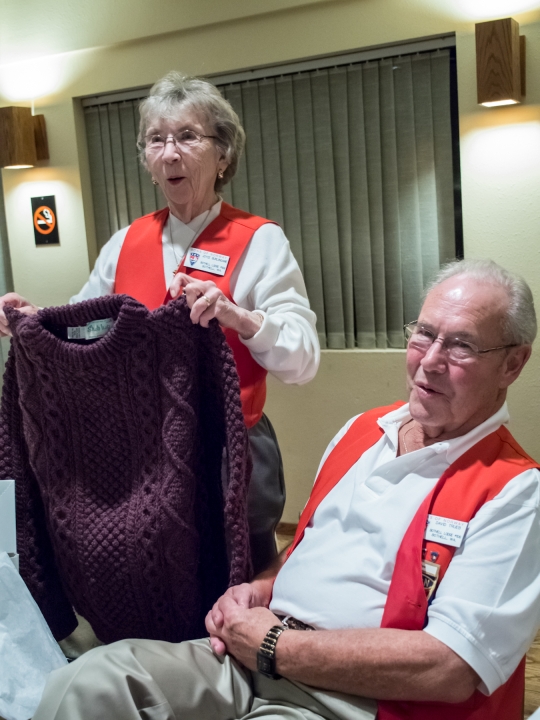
point(500, 154)
point(307, 417)
point(132, 42)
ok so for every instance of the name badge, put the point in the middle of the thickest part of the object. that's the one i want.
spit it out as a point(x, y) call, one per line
point(207, 261)
point(445, 530)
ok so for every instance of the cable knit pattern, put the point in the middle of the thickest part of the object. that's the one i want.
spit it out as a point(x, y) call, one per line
point(117, 446)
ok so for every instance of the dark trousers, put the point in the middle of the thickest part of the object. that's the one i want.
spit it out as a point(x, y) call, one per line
point(266, 497)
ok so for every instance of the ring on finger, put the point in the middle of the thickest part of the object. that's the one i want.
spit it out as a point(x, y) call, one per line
point(203, 297)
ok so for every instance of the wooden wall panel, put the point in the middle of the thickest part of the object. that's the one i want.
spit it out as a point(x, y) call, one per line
point(40, 137)
point(498, 70)
point(17, 144)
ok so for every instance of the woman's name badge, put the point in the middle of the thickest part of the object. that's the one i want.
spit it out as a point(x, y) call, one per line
point(445, 530)
point(206, 261)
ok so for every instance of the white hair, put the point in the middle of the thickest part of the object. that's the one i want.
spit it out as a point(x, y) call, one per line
point(519, 326)
point(173, 91)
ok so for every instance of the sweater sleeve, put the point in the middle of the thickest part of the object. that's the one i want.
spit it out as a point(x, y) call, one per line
point(36, 556)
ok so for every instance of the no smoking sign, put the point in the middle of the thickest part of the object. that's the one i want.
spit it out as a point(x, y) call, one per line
point(45, 220)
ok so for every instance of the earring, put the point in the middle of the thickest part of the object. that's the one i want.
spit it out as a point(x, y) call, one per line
point(220, 174)
point(154, 181)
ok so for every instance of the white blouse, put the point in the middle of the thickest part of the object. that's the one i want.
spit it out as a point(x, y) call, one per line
point(267, 279)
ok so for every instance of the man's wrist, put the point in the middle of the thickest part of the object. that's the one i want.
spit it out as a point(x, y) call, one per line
point(262, 590)
point(266, 655)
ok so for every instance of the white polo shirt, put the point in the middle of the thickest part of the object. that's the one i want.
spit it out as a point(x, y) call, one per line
point(487, 607)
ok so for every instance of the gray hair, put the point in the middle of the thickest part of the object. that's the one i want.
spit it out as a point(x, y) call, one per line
point(174, 90)
point(519, 326)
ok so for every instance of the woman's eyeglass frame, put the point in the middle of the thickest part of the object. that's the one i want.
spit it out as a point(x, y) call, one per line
point(182, 139)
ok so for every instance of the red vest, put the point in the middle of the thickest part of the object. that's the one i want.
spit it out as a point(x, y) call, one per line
point(140, 273)
point(475, 478)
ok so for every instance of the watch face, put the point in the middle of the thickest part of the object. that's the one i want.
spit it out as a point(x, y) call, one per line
point(265, 664)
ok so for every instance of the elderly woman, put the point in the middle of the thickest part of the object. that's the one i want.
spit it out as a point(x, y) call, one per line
point(232, 266)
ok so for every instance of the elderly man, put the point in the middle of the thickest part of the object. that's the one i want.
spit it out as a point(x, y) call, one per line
point(414, 577)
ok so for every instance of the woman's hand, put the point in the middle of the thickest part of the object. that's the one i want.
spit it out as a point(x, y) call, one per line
point(16, 301)
point(207, 301)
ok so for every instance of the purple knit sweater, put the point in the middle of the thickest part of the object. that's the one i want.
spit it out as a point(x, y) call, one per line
point(116, 447)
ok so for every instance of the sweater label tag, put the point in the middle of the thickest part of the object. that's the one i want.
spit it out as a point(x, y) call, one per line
point(207, 261)
point(91, 331)
point(445, 530)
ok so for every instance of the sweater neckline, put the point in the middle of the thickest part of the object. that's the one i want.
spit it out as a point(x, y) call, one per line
point(131, 327)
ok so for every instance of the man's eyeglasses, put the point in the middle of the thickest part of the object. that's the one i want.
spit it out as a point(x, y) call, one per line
point(456, 349)
point(183, 139)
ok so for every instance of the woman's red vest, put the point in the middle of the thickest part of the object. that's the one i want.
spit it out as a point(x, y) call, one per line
point(140, 273)
point(475, 478)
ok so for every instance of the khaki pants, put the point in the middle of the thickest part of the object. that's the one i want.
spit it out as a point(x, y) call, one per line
point(152, 680)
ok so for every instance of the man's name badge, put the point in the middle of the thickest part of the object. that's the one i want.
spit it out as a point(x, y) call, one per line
point(430, 576)
point(206, 261)
point(445, 530)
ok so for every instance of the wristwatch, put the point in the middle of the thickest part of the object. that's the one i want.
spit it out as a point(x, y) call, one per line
point(266, 656)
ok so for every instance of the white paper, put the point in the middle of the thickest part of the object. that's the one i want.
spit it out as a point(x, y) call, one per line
point(207, 261)
point(445, 530)
point(8, 537)
point(28, 651)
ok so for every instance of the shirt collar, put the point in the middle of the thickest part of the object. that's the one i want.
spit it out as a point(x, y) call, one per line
point(392, 421)
point(189, 231)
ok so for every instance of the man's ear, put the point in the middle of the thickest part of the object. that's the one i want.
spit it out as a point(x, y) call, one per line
point(514, 363)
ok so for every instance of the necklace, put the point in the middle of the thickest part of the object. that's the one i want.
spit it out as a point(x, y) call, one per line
point(406, 432)
point(177, 261)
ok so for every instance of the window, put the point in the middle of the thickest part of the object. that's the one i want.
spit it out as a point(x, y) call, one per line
point(358, 162)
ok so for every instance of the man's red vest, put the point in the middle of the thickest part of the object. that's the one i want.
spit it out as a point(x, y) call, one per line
point(475, 478)
point(140, 273)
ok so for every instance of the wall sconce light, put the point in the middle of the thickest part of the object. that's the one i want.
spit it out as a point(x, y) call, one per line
point(500, 62)
point(23, 138)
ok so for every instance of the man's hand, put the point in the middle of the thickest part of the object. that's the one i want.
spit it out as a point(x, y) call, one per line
point(207, 301)
point(384, 664)
point(245, 596)
point(16, 301)
point(241, 629)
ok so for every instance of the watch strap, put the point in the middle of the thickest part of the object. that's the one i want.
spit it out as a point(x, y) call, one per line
point(266, 656)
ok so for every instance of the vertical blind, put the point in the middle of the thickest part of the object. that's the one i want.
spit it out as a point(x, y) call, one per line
point(355, 163)
point(121, 188)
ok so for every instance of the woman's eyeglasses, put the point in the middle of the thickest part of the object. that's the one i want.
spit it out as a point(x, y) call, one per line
point(182, 139)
